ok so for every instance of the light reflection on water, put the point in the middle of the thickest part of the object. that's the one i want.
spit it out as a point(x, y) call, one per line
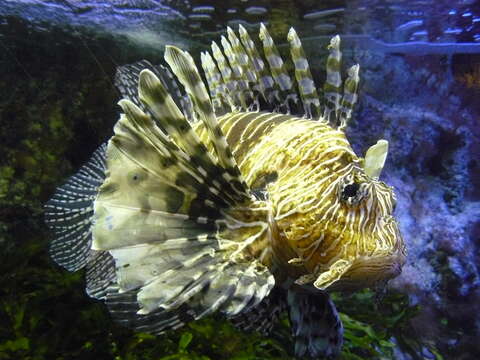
point(202, 20)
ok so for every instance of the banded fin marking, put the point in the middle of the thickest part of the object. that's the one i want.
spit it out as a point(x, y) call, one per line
point(124, 309)
point(306, 85)
point(277, 68)
point(264, 316)
point(169, 117)
point(126, 81)
point(245, 95)
point(218, 91)
point(266, 85)
point(333, 83)
point(246, 70)
point(100, 274)
point(227, 75)
point(68, 213)
point(350, 96)
point(242, 60)
point(164, 219)
point(315, 323)
point(185, 69)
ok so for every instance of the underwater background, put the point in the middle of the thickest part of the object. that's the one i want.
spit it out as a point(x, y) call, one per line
point(420, 90)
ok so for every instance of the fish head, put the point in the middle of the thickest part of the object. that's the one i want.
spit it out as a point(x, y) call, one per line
point(338, 230)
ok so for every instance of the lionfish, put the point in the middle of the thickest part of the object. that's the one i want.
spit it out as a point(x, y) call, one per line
point(245, 199)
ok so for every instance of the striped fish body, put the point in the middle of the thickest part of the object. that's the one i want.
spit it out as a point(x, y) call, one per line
point(201, 203)
point(300, 168)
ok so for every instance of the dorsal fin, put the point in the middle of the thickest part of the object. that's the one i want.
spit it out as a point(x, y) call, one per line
point(218, 91)
point(350, 96)
point(333, 83)
point(306, 86)
point(277, 68)
point(266, 84)
point(245, 95)
point(185, 69)
point(239, 75)
point(126, 81)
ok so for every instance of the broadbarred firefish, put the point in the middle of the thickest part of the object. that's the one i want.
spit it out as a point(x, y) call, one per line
point(245, 199)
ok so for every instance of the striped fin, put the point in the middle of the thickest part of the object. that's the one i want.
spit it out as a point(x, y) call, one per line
point(306, 86)
point(169, 117)
point(100, 274)
point(242, 58)
point(245, 95)
point(350, 96)
point(166, 214)
point(218, 91)
point(277, 68)
point(126, 81)
point(266, 85)
point(184, 68)
point(124, 308)
point(190, 271)
point(226, 71)
point(315, 323)
point(333, 84)
point(243, 74)
point(69, 212)
point(264, 316)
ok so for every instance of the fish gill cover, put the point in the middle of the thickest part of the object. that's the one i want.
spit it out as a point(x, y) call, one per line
point(433, 169)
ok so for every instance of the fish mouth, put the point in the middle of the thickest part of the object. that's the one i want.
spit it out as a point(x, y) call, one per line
point(369, 272)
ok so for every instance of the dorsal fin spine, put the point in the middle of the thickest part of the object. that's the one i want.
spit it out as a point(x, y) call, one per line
point(185, 69)
point(306, 85)
point(237, 76)
point(277, 67)
point(214, 79)
point(245, 94)
point(349, 98)
point(227, 74)
point(333, 83)
point(242, 69)
point(266, 84)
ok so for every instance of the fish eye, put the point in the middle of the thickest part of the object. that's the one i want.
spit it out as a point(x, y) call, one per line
point(350, 190)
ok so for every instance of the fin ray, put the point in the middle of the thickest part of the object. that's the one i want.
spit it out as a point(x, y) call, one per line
point(68, 213)
point(315, 323)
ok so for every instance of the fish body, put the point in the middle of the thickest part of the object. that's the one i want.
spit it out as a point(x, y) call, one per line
point(244, 199)
point(303, 167)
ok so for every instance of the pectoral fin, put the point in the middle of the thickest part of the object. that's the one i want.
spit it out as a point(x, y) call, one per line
point(316, 326)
